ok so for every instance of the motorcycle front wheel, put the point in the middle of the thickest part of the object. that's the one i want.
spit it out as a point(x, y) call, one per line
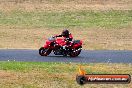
point(44, 52)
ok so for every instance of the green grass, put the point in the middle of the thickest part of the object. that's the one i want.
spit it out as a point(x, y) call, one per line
point(57, 67)
point(28, 66)
point(82, 19)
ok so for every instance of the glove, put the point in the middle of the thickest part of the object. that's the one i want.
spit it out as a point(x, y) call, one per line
point(66, 39)
point(53, 36)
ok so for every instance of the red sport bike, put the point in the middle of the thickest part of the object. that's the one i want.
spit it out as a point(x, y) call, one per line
point(59, 47)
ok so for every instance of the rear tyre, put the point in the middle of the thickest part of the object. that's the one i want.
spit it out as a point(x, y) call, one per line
point(76, 52)
point(44, 52)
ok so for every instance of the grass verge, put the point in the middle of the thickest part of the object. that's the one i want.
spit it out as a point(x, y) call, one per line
point(55, 75)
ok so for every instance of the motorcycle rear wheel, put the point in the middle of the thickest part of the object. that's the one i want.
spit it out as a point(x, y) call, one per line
point(75, 52)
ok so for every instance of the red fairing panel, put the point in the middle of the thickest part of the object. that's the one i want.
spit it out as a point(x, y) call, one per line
point(46, 45)
point(60, 41)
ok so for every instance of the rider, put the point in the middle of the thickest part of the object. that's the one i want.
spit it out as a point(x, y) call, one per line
point(67, 36)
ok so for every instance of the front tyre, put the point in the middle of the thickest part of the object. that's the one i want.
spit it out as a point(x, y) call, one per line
point(44, 52)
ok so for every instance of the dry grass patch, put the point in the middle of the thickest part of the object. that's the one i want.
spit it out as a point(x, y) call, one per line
point(5, 74)
point(93, 39)
point(110, 39)
point(65, 5)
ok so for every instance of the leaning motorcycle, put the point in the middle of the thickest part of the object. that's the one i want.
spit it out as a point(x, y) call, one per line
point(59, 47)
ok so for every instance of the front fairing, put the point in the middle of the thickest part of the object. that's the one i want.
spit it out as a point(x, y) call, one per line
point(48, 42)
point(60, 41)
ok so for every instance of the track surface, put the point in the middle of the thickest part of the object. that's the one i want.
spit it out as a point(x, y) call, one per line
point(98, 56)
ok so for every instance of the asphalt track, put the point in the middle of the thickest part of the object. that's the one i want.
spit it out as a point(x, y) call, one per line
point(86, 56)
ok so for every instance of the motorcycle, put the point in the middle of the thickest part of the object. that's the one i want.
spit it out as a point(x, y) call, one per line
point(59, 47)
